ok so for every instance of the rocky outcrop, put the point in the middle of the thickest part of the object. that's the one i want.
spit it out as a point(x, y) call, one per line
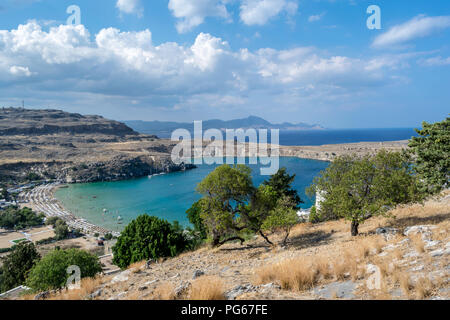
point(121, 168)
point(18, 121)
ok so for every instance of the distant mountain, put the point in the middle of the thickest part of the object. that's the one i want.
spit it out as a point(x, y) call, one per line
point(164, 129)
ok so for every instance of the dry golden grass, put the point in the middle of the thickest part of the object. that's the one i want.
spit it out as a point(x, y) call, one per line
point(405, 283)
point(424, 288)
point(296, 274)
point(165, 291)
point(207, 288)
point(418, 243)
point(87, 286)
point(137, 266)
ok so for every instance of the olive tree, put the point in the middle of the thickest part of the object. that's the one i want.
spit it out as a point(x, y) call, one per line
point(356, 188)
point(432, 155)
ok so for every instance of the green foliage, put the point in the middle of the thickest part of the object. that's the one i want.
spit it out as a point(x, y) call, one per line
point(193, 214)
point(282, 217)
point(148, 237)
point(314, 215)
point(61, 230)
point(17, 264)
point(108, 236)
point(51, 221)
point(226, 192)
point(432, 153)
point(232, 207)
point(32, 176)
point(60, 227)
point(281, 183)
point(356, 188)
point(15, 218)
point(51, 271)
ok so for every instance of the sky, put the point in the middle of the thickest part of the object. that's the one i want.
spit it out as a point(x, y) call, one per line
point(313, 61)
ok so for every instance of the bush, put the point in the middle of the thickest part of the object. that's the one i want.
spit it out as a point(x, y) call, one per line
point(432, 152)
point(51, 272)
point(193, 214)
point(314, 216)
point(17, 265)
point(108, 236)
point(147, 238)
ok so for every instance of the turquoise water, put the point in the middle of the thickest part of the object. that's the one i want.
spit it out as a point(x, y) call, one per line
point(166, 196)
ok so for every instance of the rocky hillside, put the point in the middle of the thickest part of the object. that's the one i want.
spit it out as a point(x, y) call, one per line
point(53, 144)
point(19, 121)
point(403, 258)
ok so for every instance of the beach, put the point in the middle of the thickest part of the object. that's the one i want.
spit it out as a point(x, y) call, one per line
point(41, 199)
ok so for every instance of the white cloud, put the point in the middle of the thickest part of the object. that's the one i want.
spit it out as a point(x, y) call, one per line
point(130, 7)
point(316, 17)
point(20, 71)
point(435, 61)
point(67, 65)
point(417, 27)
point(259, 12)
point(193, 13)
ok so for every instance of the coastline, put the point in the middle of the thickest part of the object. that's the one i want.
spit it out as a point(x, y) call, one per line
point(42, 198)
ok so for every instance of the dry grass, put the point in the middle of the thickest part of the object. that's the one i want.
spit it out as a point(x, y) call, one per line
point(418, 243)
point(137, 266)
point(405, 283)
point(165, 291)
point(424, 288)
point(87, 286)
point(207, 288)
point(296, 274)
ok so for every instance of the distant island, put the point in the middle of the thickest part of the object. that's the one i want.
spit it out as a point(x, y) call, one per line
point(164, 129)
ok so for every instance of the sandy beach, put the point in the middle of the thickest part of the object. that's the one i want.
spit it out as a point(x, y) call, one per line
point(41, 199)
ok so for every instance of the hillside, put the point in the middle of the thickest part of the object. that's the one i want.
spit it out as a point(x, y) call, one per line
point(54, 144)
point(410, 255)
point(164, 129)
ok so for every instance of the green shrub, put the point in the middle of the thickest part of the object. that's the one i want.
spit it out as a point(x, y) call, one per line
point(148, 237)
point(432, 153)
point(51, 272)
point(314, 216)
point(17, 265)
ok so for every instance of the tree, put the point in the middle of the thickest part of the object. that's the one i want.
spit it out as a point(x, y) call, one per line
point(15, 218)
point(61, 230)
point(357, 188)
point(147, 238)
point(232, 206)
point(17, 265)
point(226, 193)
point(51, 271)
point(282, 217)
point(432, 153)
point(281, 183)
point(193, 214)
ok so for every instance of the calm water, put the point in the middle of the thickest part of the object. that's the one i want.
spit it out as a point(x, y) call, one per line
point(321, 137)
point(165, 196)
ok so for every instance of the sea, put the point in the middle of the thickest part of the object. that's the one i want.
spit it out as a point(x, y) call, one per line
point(168, 196)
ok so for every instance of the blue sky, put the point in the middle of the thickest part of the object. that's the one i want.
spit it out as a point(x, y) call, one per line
point(285, 60)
